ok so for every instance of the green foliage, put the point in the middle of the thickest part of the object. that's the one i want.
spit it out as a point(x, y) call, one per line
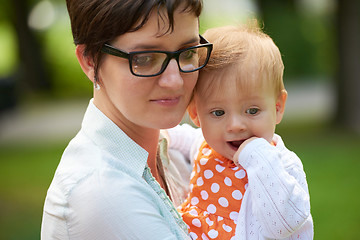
point(8, 47)
point(306, 41)
point(67, 76)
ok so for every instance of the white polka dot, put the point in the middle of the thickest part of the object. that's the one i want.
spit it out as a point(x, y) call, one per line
point(193, 235)
point(218, 160)
point(208, 174)
point(203, 161)
point(237, 195)
point(240, 174)
point(226, 228)
point(219, 168)
point(211, 208)
point(235, 168)
point(193, 212)
point(200, 181)
point(204, 237)
point(233, 216)
point(196, 222)
point(194, 201)
point(220, 219)
point(204, 195)
point(213, 233)
point(246, 186)
point(223, 202)
point(215, 187)
point(209, 222)
point(198, 168)
point(227, 181)
point(206, 151)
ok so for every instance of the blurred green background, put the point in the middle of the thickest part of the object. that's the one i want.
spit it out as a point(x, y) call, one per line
point(43, 95)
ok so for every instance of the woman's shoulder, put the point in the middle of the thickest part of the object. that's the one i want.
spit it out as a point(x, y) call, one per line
point(88, 187)
point(87, 169)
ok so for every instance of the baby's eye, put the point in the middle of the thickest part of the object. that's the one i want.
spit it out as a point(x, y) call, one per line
point(218, 113)
point(252, 111)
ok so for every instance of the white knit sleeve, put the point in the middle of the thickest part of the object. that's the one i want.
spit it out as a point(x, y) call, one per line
point(277, 188)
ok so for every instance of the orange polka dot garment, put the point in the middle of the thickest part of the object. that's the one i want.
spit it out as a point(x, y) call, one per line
point(217, 187)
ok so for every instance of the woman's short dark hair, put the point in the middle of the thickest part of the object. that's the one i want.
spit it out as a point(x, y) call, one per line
point(96, 22)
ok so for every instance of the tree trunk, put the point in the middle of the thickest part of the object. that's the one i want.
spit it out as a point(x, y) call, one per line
point(348, 78)
point(32, 73)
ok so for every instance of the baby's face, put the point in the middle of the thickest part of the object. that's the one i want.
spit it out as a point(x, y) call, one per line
point(229, 118)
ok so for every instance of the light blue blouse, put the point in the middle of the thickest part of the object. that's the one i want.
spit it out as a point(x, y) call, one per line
point(103, 189)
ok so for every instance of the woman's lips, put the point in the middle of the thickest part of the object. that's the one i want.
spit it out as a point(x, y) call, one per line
point(167, 101)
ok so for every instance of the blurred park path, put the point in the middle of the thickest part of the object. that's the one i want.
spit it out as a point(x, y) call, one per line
point(310, 101)
point(53, 121)
point(49, 121)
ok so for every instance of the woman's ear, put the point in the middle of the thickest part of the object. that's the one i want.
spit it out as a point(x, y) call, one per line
point(86, 63)
point(192, 110)
point(280, 106)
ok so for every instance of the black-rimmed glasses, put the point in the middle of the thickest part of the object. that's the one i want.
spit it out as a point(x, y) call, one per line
point(153, 63)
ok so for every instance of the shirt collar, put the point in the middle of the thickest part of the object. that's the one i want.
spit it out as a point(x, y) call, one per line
point(109, 137)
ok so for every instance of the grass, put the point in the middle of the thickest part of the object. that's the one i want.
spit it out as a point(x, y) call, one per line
point(26, 171)
point(330, 158)
point(331, 162)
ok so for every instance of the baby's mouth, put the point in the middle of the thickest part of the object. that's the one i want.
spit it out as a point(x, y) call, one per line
point(235, 144)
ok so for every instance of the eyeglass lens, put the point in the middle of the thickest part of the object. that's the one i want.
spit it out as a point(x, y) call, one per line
point(152, 63)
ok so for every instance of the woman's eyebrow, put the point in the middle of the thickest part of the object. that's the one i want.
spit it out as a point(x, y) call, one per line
point(148, 46)
point(193, 40)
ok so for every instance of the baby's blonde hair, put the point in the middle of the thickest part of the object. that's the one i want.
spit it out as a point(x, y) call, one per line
point(245, 52)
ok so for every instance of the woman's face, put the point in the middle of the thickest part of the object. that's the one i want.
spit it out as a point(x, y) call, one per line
point(148, 102)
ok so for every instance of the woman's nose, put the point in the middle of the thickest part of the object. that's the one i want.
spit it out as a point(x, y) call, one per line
point(171, 77)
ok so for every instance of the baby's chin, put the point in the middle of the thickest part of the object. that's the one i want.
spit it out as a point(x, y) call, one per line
point(229, 153)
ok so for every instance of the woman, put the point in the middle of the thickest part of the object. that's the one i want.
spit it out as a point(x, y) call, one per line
point(142, 58)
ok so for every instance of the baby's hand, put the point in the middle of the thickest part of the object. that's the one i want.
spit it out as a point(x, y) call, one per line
point(236, 155)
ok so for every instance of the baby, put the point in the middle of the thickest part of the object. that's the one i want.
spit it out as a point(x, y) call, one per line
point(245, 183)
